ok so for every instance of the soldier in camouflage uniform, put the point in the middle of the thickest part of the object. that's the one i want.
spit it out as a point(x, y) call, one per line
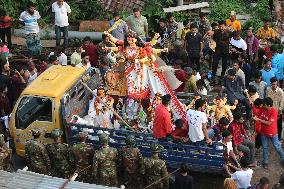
point(81, 157)
point(155, 169)
point(5, 155)
point(36, 155)
point(58, 154)
point(105, 163)
point(131, 162)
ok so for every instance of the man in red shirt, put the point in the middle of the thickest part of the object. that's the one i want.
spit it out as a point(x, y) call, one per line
point(43, 64)
point(181, 131)
point(5, 28)
point(162, 126)
point(257, 109)
point(240, 140)
point(92, 51)
point(268, 120)
point(18, 82)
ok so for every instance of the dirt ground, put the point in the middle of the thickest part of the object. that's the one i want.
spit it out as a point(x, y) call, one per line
point(21, 41)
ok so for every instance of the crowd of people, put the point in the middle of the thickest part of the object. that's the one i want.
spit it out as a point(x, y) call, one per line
point(251, 77)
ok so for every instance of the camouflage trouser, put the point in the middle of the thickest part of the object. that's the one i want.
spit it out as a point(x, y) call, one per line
point(33, 44)
point(132, 181)
point(150, 180)
point(38, 169)
point(61, 172)
point(108, 179)
point(85, 175)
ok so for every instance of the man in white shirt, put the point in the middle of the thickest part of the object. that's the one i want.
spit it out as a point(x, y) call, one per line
point(238, 45)
point(62, 11)
point(62, 58)
point(29, 19)
point(197, 121)
point(243, 176)
point(227, 146)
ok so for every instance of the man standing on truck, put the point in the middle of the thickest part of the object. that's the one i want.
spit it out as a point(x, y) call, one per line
point(131, 164)
point(36, 155)
point(57, 152)
point(81, 157)
point(105, 163)
point(162, 126)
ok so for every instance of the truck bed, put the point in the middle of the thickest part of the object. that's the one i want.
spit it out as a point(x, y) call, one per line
point(199, 156)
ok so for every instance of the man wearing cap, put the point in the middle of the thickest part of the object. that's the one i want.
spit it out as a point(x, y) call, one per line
point(36, 155)
point(105, 163)
point(57, 152)
point(162, 126)
point(252, 45)
point(131, 162)
point(118, 27)
point(155, 169)
point(81, 157)
point(232, 23)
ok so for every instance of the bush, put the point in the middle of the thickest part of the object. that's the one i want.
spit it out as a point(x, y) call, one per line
point(220, 9)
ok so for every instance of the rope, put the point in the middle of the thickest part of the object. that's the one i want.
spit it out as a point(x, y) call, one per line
point(73, 175)
point(107, 106)
point(157, 181)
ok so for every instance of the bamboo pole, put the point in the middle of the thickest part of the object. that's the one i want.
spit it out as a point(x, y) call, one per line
point(107, 106)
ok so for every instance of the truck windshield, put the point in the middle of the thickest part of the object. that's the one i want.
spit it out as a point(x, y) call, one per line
point(32, 109)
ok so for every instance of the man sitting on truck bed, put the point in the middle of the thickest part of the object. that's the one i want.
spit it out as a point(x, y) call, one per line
point(197, 122)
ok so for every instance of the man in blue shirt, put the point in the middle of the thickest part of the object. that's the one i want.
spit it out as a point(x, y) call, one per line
point(277, 63)
point(118, 27)
point(268, 72)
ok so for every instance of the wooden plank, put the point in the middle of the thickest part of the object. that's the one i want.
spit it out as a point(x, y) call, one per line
point(93, 25)
point(186, 7)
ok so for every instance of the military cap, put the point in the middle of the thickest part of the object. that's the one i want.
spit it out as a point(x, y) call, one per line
point(82, 134)
point(56, 133)
point(155, 148)
point(104, 138)
point(130, 140)
point(36, 132)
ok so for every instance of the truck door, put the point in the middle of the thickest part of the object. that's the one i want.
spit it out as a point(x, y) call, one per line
point(33, 112)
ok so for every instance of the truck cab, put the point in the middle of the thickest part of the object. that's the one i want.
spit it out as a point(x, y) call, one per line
point(40, 104)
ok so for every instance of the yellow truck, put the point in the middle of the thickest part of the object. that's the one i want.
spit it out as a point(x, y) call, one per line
point(59, 93)
point(40, 104)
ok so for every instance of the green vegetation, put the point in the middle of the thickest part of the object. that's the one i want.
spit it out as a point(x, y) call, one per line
point(220, 9)
point(92, 10)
